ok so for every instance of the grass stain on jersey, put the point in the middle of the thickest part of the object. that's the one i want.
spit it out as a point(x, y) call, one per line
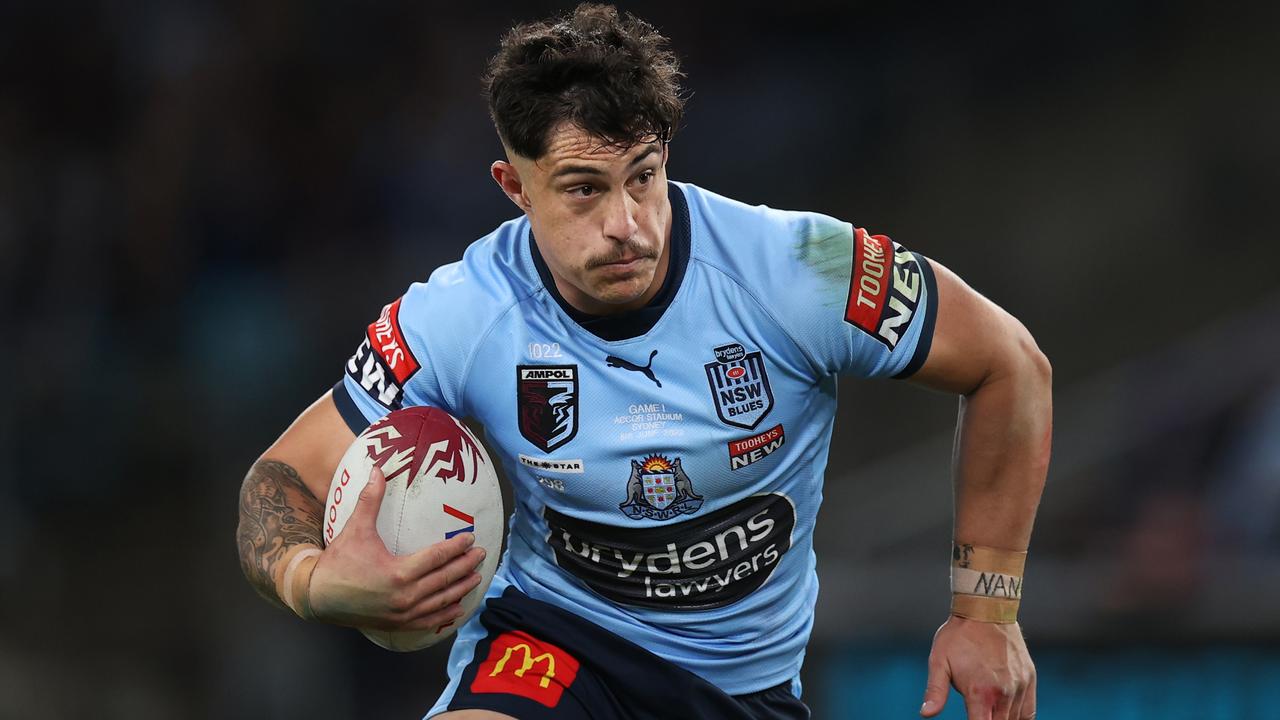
point(826, 247)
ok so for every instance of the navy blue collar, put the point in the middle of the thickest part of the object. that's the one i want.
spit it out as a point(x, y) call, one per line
point(632, 323)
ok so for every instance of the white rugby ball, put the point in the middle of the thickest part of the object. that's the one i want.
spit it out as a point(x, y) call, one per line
point(440, 482)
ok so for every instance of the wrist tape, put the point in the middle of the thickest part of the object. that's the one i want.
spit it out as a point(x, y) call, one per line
point(293, 586)
point(986, 583)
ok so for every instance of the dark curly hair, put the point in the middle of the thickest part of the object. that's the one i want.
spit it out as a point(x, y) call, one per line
point(612, 75)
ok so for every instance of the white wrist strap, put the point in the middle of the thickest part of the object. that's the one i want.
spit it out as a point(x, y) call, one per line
point(968, 581)
point(287, 581)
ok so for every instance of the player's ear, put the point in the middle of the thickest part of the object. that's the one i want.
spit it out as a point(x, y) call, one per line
point(508, 178)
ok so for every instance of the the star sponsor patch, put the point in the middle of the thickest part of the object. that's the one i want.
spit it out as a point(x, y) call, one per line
point(739, 386)
point(547, 403)
point(885, 285)
point(570, 467)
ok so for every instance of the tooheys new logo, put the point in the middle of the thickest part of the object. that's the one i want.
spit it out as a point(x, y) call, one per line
point(884, 288)
point(706, 562)
point(384, 363)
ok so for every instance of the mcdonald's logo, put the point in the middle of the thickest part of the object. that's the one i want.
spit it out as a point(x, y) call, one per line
point(520, 664)
point(527, 664)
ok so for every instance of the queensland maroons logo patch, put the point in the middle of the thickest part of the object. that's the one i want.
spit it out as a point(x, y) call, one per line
point(659, 489)
point(547, 401)
point(739, 386)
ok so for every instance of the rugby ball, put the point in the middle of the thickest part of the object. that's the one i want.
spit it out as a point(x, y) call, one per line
point(440, 482)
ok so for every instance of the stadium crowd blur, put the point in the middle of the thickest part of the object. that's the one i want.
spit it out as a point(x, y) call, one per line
point(203, 204)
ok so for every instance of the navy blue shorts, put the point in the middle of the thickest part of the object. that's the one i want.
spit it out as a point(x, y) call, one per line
point(537, 661)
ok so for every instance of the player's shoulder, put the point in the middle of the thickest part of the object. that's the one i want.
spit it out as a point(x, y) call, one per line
point(438, 325)
point(758, 245)
point(494, 273)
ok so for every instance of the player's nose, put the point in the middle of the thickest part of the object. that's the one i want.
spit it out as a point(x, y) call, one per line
point(620, 217)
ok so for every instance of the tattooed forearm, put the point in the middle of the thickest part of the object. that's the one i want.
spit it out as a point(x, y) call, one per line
point(277, 512)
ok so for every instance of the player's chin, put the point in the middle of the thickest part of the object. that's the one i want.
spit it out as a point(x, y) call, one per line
point(618, 296)
point(623, 288)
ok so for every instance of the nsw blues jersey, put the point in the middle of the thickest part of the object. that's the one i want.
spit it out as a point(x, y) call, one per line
point(665, 484)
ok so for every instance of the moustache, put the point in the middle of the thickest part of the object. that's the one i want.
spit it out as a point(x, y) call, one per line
point(631, 249)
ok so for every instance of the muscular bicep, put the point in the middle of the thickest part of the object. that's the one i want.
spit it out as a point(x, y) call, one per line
point(314, 444)
point(972, 337)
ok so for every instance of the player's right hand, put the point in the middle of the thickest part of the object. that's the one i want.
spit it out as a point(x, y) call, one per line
point(359, 583)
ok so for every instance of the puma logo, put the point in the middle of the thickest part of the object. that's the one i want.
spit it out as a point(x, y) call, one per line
point(618, 362)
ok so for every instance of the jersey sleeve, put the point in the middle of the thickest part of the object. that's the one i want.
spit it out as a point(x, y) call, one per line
point(858, 303)
point(407, 357)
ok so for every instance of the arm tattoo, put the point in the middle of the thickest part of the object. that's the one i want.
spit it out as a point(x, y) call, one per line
point(277, 512)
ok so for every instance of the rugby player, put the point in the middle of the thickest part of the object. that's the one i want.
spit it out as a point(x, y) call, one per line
point(656, 367)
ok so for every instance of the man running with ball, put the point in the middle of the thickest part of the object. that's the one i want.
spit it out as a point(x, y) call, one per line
point(656, 365)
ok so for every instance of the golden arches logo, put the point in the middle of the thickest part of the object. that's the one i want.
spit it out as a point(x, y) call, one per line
point(527, 664)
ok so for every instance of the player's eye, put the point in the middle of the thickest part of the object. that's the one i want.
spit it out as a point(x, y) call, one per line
point(644, 177)
point(582, 191)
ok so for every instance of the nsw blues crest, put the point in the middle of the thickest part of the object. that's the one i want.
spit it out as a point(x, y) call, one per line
point(547, 399)
point(739, 386)
point(659, 489)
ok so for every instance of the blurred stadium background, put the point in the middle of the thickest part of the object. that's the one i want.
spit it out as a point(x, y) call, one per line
point(202, 204)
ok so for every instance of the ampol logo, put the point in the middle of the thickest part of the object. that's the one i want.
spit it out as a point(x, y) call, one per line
point(547, 404)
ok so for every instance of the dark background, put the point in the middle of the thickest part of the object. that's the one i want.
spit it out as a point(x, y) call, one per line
point(203, 204)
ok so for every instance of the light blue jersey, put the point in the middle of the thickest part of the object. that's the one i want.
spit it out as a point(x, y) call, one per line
point(666, 484)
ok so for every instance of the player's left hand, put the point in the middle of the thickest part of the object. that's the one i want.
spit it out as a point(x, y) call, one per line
point(990, 666)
